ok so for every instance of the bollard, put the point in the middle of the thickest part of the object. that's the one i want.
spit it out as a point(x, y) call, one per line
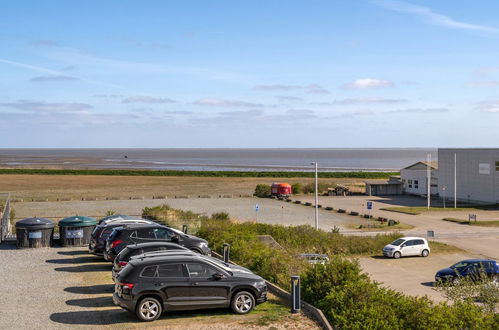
point(185, 228)
point(295, 294)
point(226, 252)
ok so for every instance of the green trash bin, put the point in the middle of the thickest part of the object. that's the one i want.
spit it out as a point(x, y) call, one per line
point(76, 230)
point(34, 232)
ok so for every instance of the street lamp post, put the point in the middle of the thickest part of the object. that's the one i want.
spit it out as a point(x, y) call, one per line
point(316, 199)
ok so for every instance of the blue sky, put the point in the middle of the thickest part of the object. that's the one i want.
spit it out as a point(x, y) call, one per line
point(337, 73)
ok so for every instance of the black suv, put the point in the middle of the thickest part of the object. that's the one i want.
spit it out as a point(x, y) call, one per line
point(102, 231)
point(135, 234)
point(148, 286)
point(130, 251)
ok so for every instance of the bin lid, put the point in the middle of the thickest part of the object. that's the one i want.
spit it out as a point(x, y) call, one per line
point(77, 221)
point(35, 223)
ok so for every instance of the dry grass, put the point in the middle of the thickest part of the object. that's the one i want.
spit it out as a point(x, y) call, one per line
point(97, 186)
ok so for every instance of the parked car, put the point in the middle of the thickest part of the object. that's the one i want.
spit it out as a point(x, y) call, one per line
point(101, 232)
point(135, 234)
point(130, 251)
point(407, 246)
point(314, 258)
point(156, 254)
point(471, 268)
point(149, 286)
point(115, 217)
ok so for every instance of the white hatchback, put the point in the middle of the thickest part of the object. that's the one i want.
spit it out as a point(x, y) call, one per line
point(407, 246)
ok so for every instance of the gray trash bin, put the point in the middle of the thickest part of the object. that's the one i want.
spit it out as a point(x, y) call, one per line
point(76, 231)
point(35, 232)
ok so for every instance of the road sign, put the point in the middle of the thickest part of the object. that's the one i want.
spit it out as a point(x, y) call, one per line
point(430, 234)
point(369, 205)
point(257, 207)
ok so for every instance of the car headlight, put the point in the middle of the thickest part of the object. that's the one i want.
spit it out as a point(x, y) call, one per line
point(203, 245)
point(261, 284)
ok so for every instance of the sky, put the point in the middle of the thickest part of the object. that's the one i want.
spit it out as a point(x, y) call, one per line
point(249, 74)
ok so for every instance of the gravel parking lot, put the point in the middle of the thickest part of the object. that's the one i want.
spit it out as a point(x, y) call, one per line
point(411, 275)
point(270, 211)
point(66, 288)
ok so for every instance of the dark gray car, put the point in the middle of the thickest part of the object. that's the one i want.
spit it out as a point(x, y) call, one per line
point(149, 286)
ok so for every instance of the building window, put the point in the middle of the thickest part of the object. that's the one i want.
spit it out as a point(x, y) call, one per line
point(416, 186)
point(410, 183)
point(497, 166)
point(416, 182)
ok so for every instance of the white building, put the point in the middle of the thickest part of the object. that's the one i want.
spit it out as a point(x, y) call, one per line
point(477, 174)
point(415, 178)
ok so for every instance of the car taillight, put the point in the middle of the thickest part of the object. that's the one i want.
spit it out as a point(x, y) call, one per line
point(122, 263)
point(128, 286)
point(116, 243)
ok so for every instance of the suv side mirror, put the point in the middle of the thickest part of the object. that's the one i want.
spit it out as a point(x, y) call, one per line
point(175, 238)
point(218, 276)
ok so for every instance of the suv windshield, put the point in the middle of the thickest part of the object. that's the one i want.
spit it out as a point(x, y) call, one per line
point(398, 242)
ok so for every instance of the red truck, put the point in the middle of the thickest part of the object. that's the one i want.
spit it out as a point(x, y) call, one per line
point(280, 189)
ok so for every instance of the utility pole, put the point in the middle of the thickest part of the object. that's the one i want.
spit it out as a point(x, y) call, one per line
point(428, 179)
point(316, 199)
point(455, 180)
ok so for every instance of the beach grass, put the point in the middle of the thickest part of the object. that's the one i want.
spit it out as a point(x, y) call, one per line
point(481, 223)
point(235, 174)
point(420, 209)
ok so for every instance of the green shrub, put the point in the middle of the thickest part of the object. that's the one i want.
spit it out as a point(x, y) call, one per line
point(229, 174)
point(297, 188)
point(350, 300)
point(262, 190)
point(321, 187)
point(221, 216)
point(169, 216)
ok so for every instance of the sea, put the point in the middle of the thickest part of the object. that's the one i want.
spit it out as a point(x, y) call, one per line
point(337, 159)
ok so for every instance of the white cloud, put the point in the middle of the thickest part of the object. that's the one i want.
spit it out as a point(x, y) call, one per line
point(53, 78)
point(311, 88)
point(368, 100)
point(147, 99)
point(289, 98)
point(277, 87)
point(421, 110)
point(300, 112)
point(40, 106)
point(316, 89)
point(249, 113)
point(53, 72)
point(483, 84)
point(226, 103)
point(432, 17)
point(367, 83)
point(45, 43)
point(488, 106)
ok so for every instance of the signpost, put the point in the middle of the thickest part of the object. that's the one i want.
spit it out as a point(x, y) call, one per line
point(471, 217)
point(430, 234)
point(257, 208)
point(369, 207)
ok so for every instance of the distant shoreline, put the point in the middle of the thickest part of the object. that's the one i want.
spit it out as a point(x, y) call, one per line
point(136, 172)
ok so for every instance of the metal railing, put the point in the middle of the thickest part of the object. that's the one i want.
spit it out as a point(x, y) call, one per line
point(5, 221)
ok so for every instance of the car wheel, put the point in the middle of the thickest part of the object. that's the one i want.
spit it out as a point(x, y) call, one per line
point(148, 309)
point(425, 253)
point(396, 255)
point(243, 302)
